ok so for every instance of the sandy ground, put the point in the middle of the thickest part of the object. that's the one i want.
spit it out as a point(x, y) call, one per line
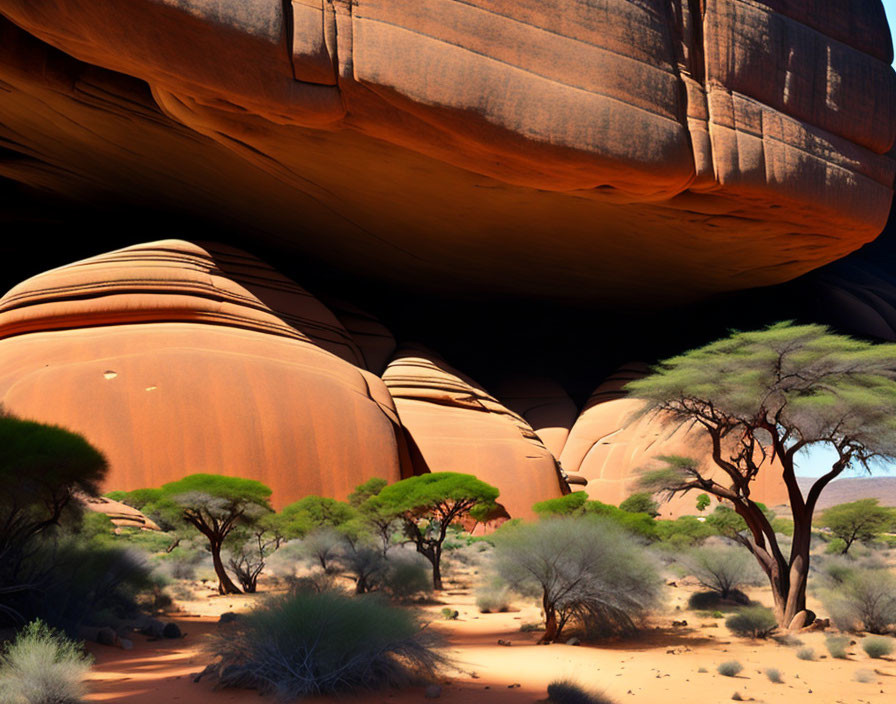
point(662, 666)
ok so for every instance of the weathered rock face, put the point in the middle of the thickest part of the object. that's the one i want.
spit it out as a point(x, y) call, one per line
point(554, 148)
point(174, 358)
point(456, 426)
point(623, 154)
point(610, 445)
point(172, 366)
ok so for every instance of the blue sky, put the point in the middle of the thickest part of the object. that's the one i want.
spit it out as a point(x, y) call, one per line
point(817, 462)
point(890, 6)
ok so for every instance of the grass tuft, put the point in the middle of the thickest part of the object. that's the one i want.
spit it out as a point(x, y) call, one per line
point(566, 692)
point(806, 653)
point(308, 643)
point(731, 668)
point(42, 666)
point(877, 646)
point(774, 674)
point(753, 622)
point(837, 646)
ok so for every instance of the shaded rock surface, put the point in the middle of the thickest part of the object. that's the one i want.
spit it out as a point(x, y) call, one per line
point(505, 180)
point(555, 148)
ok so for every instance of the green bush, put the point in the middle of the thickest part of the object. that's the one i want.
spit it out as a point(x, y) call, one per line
point(731, 668)
point(684, 531)
point(774, 674)
point(307, 643)
point(80, 584)
point(566, 692)
point(835, 547)
point(877, 646)
point(806, 653)
point(42, 666)
point(753, 622)
point(493, 597)
point(837, 646)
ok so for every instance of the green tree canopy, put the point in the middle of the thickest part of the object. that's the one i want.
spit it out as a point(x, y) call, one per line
point(764, 396)
point(861, 520)
point(641, 502)
point(43, 468)
point(215, 505)
point(312, 513)
point(578, 504)
point(427, 505)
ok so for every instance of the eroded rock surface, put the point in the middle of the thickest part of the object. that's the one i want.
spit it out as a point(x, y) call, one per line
point(456, 426)
point(610, 445)
point(545, 147)
point(173, 359)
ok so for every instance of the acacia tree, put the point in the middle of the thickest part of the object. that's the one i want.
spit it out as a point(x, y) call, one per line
point(429, 503)
point(249, 546)
point(761, 398)
point(43, 468)
point(861, 520)
point(216, 505)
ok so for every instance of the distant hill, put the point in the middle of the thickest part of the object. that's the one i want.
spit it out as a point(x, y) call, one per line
point(841, 491)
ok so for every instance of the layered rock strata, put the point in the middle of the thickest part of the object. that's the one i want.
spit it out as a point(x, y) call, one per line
point(551, 148)
point(174, 358)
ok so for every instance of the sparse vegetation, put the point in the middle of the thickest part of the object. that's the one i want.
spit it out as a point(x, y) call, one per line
point(406, 577)
point(877, 646)
point(42, 469)
point(861, 521)
point(774, 393)
point(864, 676)
point(582, 569)
point(774, 675)
point(861, 598)
point(723, 569)
point(753, 622)
point(806, 653)
point(730, 668)
point(493, 597)
point(428, 504)
point(308, 643)
point(42, 666)
point(837, 646)
point(567, 692)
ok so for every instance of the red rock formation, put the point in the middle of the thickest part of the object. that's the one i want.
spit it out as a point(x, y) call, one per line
point(456, 426)
point(122, 515)
point(610, 445)
point(544, 405)
point(548, 147)
point(174, 359)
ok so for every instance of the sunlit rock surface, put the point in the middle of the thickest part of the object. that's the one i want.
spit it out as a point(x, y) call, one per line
point(556, 148)
point(171, 366)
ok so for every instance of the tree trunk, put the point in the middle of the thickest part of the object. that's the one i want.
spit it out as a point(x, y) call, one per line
point(225, 584)
point(551, 629)
point(436, 573)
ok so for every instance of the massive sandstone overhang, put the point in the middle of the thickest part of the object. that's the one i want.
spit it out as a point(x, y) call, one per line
point(642, 152)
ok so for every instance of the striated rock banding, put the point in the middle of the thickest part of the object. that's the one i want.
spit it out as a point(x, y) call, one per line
point(457, 426)
point(546, 147)
point(171, 366)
